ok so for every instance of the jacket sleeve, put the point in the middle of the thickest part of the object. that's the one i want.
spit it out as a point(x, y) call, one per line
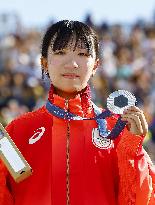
point(6, 197)
point(136, 171)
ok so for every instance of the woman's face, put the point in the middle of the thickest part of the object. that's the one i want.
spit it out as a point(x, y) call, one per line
point(70, 69)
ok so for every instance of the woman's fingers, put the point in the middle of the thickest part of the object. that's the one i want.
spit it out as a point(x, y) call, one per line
point(136, 119)
point(142, 119)
point(135, 123)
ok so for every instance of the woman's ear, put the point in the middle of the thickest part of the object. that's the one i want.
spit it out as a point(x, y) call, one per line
point(44, 63)
point(96, 64)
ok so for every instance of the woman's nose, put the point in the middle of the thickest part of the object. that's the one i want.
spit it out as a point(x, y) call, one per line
point(71, 64)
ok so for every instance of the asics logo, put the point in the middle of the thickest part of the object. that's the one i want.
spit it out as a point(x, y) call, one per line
point(37, 135)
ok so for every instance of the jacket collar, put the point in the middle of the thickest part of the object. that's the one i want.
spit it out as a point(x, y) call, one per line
point(81, 105)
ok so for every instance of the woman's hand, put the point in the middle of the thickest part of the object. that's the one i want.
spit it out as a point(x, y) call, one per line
point(136, 122)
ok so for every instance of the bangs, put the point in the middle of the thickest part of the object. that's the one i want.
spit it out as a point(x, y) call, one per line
point(72, 36)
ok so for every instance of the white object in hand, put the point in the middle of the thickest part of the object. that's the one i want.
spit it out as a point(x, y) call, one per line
point(12, 157)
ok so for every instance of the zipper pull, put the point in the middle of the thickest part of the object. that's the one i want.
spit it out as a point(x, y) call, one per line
point(67, 109)
point(66, 105)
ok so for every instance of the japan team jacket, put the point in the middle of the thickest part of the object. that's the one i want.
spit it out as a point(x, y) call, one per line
point(68, 169)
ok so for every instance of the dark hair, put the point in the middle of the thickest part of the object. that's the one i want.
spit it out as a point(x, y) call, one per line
point(60, 34)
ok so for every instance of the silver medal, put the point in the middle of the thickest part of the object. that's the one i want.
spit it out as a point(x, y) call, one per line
point(120, 100)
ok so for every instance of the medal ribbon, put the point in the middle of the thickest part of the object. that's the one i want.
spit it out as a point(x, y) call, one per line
point(100, 119)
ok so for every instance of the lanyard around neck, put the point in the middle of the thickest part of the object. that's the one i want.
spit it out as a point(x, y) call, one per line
point(100, 118)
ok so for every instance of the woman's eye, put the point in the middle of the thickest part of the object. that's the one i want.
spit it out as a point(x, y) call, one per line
point(83, 54)
point(59, 53)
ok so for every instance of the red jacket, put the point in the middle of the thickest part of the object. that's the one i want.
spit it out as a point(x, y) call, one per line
point(69, 169)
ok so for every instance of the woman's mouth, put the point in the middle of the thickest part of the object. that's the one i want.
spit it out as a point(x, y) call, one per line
point(70, 75)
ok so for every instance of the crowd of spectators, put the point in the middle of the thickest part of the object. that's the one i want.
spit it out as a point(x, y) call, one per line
point(127, 61)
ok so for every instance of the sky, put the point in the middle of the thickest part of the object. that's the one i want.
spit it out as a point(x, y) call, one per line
point(39, 12)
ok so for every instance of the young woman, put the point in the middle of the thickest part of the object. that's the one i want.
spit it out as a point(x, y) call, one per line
point(68, 167)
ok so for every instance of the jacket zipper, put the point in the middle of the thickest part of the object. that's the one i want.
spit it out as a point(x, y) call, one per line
point(68, 159)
